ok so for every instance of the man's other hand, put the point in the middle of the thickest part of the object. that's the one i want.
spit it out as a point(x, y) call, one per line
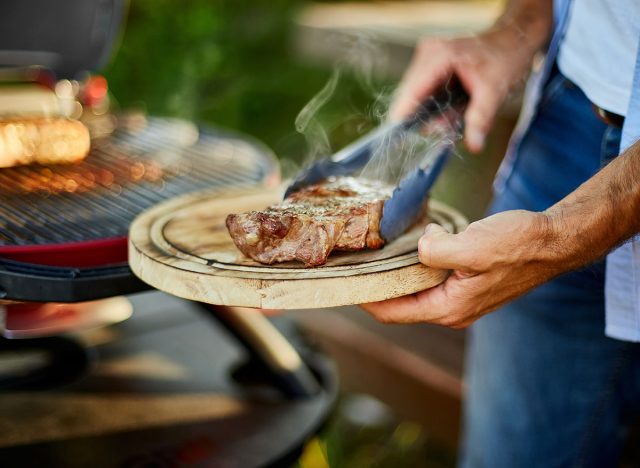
point(489, 66)
point(494, 260)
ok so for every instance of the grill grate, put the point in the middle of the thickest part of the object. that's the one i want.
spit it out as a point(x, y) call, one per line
point(139, 165)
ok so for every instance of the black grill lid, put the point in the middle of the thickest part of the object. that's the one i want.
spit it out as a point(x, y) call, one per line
point(67, 36)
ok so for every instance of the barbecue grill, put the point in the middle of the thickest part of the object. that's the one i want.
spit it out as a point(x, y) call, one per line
point(63, 229)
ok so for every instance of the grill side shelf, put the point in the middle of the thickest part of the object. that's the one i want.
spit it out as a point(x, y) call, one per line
point(29, 282)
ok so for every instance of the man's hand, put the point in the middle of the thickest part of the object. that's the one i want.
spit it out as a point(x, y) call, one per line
point(505, 255)
point(493, 261)
point(488, 65)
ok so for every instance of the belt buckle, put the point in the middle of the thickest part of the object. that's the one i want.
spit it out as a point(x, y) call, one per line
point(610, 118)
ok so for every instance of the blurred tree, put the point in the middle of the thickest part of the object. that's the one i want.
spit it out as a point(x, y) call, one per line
point(226, 62)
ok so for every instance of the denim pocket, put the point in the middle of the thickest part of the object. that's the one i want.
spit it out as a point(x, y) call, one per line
point(610, 147)
point(552, 90)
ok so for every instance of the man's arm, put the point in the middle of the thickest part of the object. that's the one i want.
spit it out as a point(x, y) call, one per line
point(602, 213)
point(489, 65)
point(505, 255)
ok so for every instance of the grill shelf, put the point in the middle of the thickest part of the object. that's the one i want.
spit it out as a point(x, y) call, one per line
point(21, 281)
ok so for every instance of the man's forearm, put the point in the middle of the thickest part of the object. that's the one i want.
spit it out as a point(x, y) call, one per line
point(600, 214)
point(531, 21)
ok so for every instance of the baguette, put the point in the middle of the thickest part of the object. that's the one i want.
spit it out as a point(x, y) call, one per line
point(42, 140)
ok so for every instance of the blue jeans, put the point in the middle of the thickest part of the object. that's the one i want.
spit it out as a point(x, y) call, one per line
point(546, 388)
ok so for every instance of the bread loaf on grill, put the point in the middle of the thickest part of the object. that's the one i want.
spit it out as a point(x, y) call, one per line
point(43, 140)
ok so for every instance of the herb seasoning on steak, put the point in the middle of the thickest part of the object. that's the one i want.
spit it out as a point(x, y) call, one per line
point(340, 214)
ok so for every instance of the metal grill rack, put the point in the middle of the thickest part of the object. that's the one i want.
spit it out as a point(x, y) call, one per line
point(132, 169)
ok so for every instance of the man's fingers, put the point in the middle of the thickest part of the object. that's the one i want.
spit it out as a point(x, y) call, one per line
point(430, 68)
point(480, 114)
point(426, 306)
point(438, 248)
point(413, 91)
point(451, 304)
point(271, 312)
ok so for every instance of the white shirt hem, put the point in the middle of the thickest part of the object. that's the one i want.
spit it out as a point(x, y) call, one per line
point(622, 333)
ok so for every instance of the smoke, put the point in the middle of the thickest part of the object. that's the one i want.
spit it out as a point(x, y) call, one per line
point(368, 58)
point(364, 59)
point(310, 126)
point(393, 159)
point(358, 60)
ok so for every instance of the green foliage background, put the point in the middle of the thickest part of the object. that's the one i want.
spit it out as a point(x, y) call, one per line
point(228, 63)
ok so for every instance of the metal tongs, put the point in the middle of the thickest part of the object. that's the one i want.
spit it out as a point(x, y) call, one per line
point(405, 205)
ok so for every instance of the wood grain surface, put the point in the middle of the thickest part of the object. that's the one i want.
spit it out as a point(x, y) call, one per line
point(182, 247)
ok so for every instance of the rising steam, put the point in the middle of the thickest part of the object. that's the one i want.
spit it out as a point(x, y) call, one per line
point(309, 125)
point(392, 159)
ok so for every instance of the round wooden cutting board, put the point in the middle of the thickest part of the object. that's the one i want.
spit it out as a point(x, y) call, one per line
point(182, 247)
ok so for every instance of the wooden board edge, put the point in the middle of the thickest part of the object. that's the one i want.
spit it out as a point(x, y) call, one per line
point(205, 286)
point(194, 285)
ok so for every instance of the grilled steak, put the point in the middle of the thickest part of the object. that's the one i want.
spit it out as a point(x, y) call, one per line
point(340, 214)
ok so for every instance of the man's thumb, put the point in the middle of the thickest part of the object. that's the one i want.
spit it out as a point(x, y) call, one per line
point(438, 248)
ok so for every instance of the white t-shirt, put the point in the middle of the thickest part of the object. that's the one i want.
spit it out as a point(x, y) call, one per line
point(599, 50)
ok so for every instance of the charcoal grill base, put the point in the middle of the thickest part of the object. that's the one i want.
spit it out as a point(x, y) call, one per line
point(66, 360)
point(162, 394)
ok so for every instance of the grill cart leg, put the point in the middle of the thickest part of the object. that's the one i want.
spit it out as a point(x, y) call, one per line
point(42, 363)
point(270, 353)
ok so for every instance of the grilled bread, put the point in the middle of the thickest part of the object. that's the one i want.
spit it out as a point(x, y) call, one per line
point(42, 140)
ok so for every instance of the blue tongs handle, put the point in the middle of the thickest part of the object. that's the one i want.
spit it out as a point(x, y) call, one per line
point(406, 203)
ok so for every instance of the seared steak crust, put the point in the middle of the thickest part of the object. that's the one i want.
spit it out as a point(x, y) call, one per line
point(340, 214)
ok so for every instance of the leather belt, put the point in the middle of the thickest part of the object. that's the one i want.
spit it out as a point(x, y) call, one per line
point(615, 120)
